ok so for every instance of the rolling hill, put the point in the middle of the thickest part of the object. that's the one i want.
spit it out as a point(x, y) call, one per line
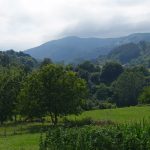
point(72, 49)
point(12, 58)
point(129, 54)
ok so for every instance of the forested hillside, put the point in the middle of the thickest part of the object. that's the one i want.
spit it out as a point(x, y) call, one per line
point(129, 54)
point(76, 49)
point(12, 58)
point(34, 96)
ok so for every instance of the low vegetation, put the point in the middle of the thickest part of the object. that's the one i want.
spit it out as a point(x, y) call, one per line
point(72, 102)
point(122, 137)
point(27, 136)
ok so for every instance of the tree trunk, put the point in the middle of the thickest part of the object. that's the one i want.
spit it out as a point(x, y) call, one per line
point(54, 119)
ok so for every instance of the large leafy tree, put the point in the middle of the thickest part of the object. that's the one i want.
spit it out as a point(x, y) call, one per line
point(45, 62)
point(127, 88)
point(29, 98)
point(144, 97)
point(102, 92)
point(52, 91)
point(10, 81)
point(110, 72)
point(88, 66)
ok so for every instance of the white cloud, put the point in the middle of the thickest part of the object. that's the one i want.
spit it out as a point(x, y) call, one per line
point(28, 23)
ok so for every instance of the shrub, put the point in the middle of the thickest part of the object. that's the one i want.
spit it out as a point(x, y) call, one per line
point(144, 97)
point(90, 104)
point(105, 105)
point(77, 123)
point(119, 137)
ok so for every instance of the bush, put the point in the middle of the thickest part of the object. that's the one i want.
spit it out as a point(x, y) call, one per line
point(77, 123)
point(106, 105)
point(144, 97)
point(119, 137)
point(90, 104)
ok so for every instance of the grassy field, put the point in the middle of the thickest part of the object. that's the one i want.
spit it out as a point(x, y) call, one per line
point(26, 136)
point(23, 136)
point(120, 115)
point(20, 142)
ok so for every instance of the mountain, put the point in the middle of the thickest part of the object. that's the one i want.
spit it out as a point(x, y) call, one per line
point(71, 49)
point(129, 54)
point(125, 53)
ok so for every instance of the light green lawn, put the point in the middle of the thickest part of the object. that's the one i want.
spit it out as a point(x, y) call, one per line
point(25, 136)
point(29, 139)
point(20, 142)
point(120, 115)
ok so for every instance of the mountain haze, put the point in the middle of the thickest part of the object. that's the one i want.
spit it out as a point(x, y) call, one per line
point(71, 49)
point(129, 54)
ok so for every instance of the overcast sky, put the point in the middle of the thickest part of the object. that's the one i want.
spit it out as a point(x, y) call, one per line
point(29, 23)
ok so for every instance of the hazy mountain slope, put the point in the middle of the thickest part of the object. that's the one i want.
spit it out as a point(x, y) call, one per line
point(129, 54)
point(70, 49)
point(125, 53)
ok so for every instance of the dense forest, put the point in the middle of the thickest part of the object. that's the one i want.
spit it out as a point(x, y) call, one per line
point(130, 54)
point(48, 97)
point(30, 88)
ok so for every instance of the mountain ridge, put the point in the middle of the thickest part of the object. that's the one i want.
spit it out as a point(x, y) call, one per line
point(70, 49)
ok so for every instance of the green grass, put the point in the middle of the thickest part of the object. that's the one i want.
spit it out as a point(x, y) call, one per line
point(23, 136)
point(26, 136)
point(20, 142)
point(119, 115)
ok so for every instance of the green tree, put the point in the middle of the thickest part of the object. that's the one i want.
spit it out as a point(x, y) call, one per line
point(45, 62)
point(127, 88)
point(10, 81)
point(57, 91)
point(88, 66)
point(102, 92)
point(144, 97)
point(30, 104)
point(110, 72)
point(95, 77)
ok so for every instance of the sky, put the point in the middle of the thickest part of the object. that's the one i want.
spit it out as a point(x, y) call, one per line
point(28, 23)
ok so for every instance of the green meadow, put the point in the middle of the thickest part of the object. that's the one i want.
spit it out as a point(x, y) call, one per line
point(119, 115)
point(26, 136)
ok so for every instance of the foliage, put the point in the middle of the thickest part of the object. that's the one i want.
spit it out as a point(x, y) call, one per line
point(125, 53)
point(30, 104)
point(12, 58)
point(95, 78)
point(106, 105)
point(58, 92)
point(90, 104)
point(144, 97)
point(110, 72)
point(77, 123)
point(88, 66)
point(45, 62)
point(130, 54)
point(10, 82)
point(103, 92)
point(127, 88)
point(127, 137)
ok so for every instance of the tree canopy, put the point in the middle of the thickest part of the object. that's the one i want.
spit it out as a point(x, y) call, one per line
point(127, 87)
point(58, 92)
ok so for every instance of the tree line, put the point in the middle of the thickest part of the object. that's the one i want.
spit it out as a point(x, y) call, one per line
point(58, 90)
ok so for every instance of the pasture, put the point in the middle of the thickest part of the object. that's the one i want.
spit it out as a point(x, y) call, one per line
point(119, 115)
point(26, 136)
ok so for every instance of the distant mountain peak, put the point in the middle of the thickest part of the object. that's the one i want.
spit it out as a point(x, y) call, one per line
point(71, 48)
